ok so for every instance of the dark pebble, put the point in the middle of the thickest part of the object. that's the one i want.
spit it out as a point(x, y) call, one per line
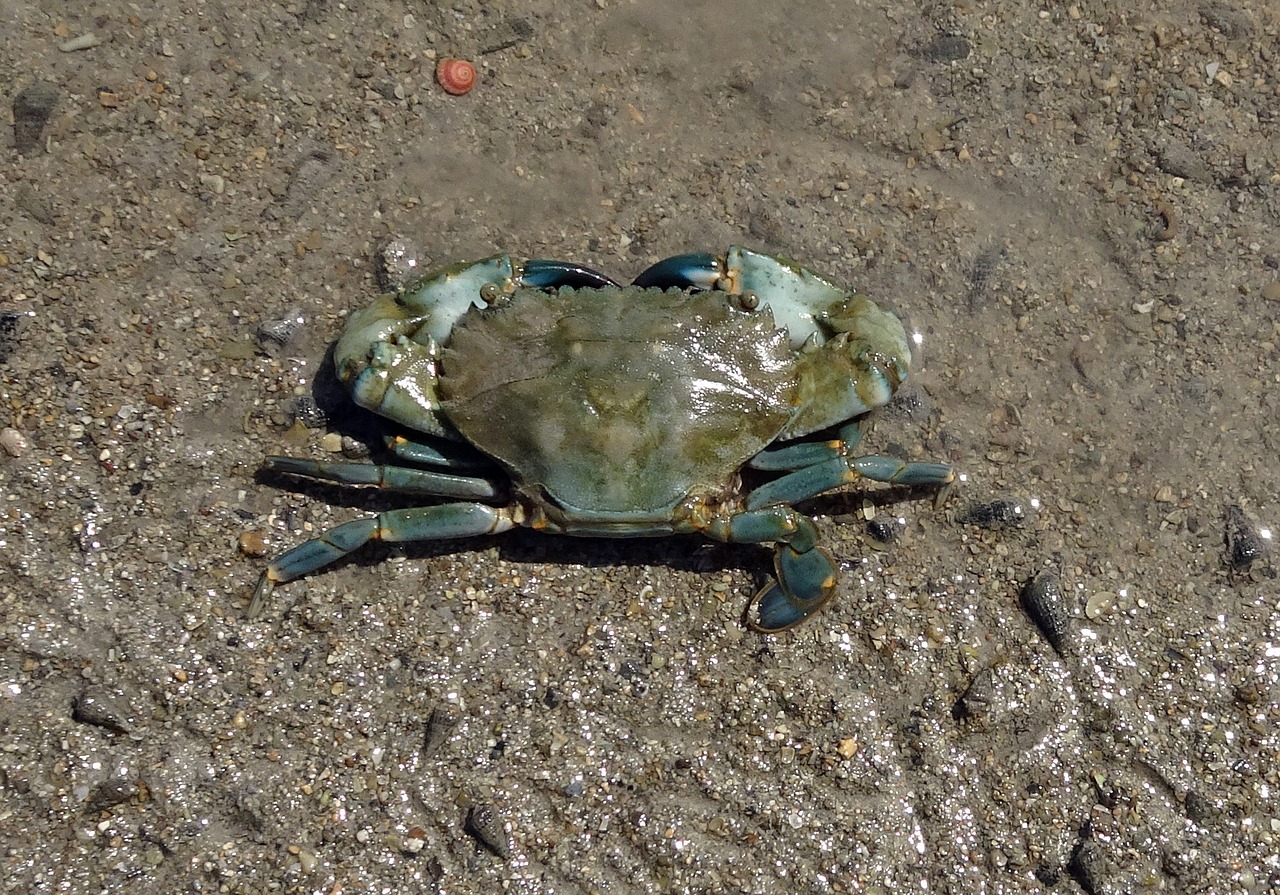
point(1242, 540)
point(1004, 513)
point(884, 529)
point(976, 701)
point(11, 325)
point(947, 48)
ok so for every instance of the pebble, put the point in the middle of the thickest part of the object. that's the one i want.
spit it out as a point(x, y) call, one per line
point(278, 331)
point(1243, 543)
point(1089, 867)
point(884, 529)
point(109, 793)
point(1003, 513)
point(354, 448)
point(414, 841)
point(85, 41)
point(254, 543)
point(947, 48)
point(399, 264)
point(978, 698)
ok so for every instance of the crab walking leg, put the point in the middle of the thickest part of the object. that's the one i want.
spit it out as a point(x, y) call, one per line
point(797, 456)
point(808, 453)
point(399, 479)
point(815, 467)
point(811, 481)
point(450, 520)
point(806, 572)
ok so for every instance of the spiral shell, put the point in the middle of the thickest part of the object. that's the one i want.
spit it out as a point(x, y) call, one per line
point(456, 76)
point(1044, 602)
point(485, 825)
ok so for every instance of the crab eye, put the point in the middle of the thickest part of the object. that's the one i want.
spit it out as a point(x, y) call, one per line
point(489, 293)
point(748, 301)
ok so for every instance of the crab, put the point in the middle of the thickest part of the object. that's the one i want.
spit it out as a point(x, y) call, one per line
point(546, 395)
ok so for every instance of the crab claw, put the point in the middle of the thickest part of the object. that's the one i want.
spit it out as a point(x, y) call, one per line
point(797, 296)
point(806, 582)
point(696, 270)
point(851, 355)
point(543, 274)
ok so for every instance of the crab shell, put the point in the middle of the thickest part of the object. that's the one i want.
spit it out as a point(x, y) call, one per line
point(623, 411)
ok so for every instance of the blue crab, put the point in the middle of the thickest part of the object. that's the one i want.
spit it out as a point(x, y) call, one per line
point(554, 398)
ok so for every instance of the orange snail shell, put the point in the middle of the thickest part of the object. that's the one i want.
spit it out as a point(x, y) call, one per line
point(456, 76)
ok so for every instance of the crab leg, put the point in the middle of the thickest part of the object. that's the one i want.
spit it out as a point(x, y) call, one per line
point(400, 479)
point(811, 481)
point(450, 520)
point(806, 572)
point(817, 466)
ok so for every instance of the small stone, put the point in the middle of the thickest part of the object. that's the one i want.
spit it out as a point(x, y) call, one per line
point(254, 543)
point(354, 448)
point(109, 793)
point(414, 841)
point(440, 724)
point(11, 326)
point(1003, 513)
point(86, 41)
point(884, 529)
point(1099, 604)
point(331, 443)
point(1088, 867)
point(1243, 544)
point(947, 48)
point(400, 264)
